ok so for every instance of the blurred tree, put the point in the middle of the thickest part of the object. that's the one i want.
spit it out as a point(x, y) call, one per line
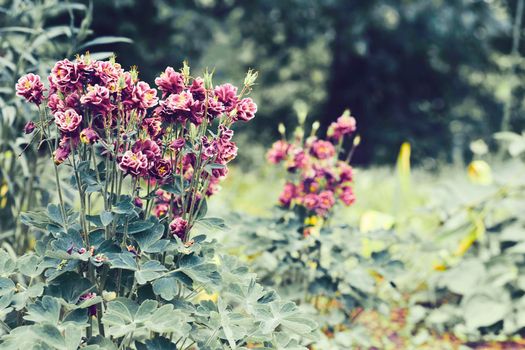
point(426, 71)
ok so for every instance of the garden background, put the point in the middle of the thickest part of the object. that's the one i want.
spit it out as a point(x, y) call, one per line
point(433, 248)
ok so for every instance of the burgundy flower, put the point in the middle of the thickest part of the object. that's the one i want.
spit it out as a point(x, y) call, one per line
point(177, 106)
point(246, 110)
point(89, 136)
point(29, 127)
point(170, 82)
point(138, 202)
point(346, 172)
point(161, 169)
point(310, 201)
point(66, 76)
point(227, 95)
point(278, 152)
point(178, 227)
point(177, 144)
point(31, 88)
point(227, 151)
point(107, 73)
point(92, 310)
point(344, 125)
point(97, 98)
point(55, 104)
point(197, 89)
point(225, 133)
point(197, 110)
point(289, 193)
point(149, 148)
point(347, 195)
point(325, 202)
point(322, 149)
point(68, 121)
point(144, 97)
point(215, 108)
point(61, 153)
point(153, 127)
point(134, 163)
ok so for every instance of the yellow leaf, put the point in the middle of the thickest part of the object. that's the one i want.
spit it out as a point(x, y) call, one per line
point(479, 172)
point(373, 220)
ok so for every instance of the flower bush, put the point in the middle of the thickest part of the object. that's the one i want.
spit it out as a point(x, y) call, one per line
point(318, 179)
point(319, 264)
point(111, 275)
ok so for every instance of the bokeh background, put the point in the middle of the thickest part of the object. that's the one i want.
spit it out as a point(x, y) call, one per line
point(435, 73)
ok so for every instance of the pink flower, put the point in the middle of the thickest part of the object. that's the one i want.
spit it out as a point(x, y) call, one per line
point(68, 121)
point(161, 209)
point(246, 110)
point(347, 195)
point(55, 103)
point(63, 151)
point(107, 73)
point(153, 127)
point(178, 227)
point(227, 95)
point(225, 133)
point(89, 136)
point(325, 202)
point(322, 149)
point(161, 169)
point(170, 82)
point(344, 125)
point(288, 194)
point(310, 201)
point(143, 96)
point(97, 98)
point(215, 108)
point(177, 144)
point(149, 148)
point(92, 309)
point(134, 163)
point(278, 152)
point(66, 76)
point(29, 127)
point(227, 151)
point(346, 172)
point(197, 89)
point(138, 202)
point(177, 106)
point(31, 88)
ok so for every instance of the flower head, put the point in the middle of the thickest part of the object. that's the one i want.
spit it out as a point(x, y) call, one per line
point(68, 121)
point(170, 82)
point(134, 163)
point(31, 88)
point(89, 136)
point(178, 227)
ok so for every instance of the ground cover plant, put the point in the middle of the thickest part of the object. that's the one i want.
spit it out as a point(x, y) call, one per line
point(106, 273)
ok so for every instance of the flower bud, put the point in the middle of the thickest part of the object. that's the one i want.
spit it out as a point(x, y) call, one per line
point(29, 127)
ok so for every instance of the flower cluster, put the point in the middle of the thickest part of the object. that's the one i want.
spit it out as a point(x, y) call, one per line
point(179, 134)
point(318, 179)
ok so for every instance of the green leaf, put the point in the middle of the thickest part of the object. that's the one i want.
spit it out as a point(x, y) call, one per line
point(55, 214)
point(106, 218)
point(149, 271)
point(482, 311)
point(136, 226)
point(105, 40)
point(69, 286)
point(45, 311)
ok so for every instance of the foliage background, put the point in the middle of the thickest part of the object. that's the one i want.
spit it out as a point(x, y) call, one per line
point(435, 73)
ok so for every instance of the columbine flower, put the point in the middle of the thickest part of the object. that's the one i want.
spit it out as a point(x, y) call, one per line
point(288, 194)
point(31, 88)
point(177, 106)
point(61, 154)
point(197, 89)
point(347, 195)
point(344, 125)
point(97, 98)
point(138, 202)
point(346, 172)
point(322, 149)
point(29, 127)
point(178, 227)
point(92, 310)
point(66, 76)
point(68, 121)
point(161, 169)
point(325, 202)
point(227, 95)
point(89, 136)
point(143, 96)
point(177, 144)
point(246, 110)
point(278, 152)
point(134, 163)
point(170, 82)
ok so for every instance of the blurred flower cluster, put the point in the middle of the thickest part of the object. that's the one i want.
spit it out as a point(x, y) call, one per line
point(318, 179)
point(178, 135)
